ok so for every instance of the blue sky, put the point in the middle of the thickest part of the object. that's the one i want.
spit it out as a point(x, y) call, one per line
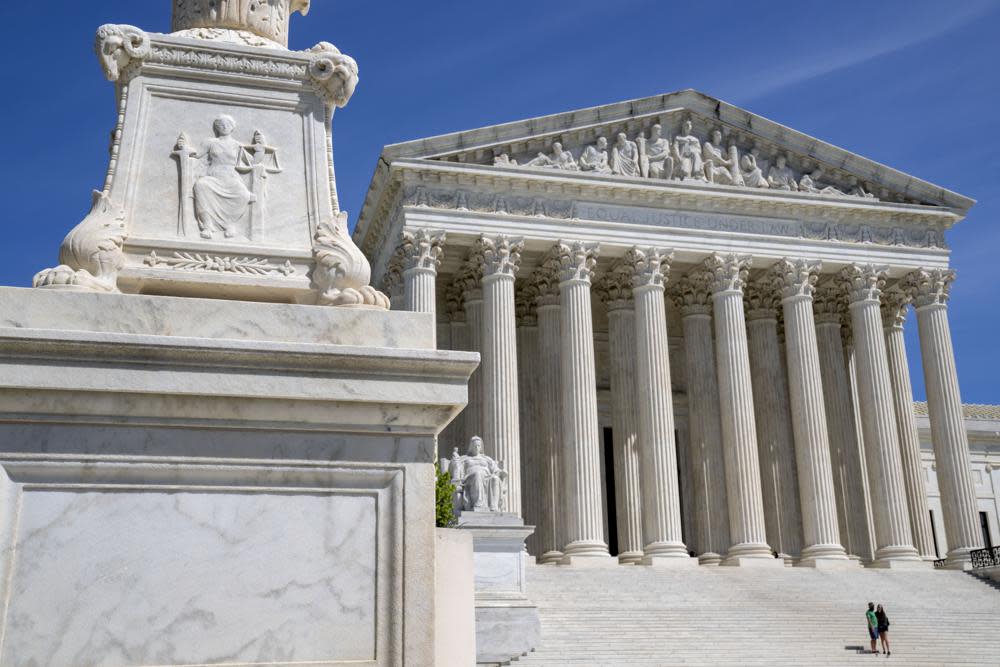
point(910, 83)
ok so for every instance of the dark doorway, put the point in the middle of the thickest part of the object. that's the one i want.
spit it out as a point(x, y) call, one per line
point(609, 481)
point(984, 523)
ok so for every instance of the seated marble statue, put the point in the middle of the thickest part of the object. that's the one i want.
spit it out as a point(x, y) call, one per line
point(479, 480)
point(595, 157)
point(687, 154)
point(221, 198)
point(720, 167)
point(655, 160)
point(781, 177)
point(559, 159)
point(753, 175)
point(625, 157)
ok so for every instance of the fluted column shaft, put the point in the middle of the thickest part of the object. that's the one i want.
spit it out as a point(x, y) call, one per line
point(625, 426)
point(661, 515)
point(775, 443)
point(739, 432)
point(894, 541)
point(820, 528)
point(531, 460)
point(551, 525)
point(580, 429)
point(711, 509)
point(501, 408)
point(421, 257)
point(844, 444)
point(944, 406)
point(914, 480)
point(474, 322)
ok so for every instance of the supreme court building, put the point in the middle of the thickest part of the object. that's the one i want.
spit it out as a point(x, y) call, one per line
point(691, 327)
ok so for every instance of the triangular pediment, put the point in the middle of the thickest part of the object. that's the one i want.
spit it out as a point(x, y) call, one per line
point(747, 153)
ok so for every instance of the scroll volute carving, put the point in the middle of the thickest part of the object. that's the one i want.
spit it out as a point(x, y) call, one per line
point(342, 273)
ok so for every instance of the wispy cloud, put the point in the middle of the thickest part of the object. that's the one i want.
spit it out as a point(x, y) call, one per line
point(866, 47)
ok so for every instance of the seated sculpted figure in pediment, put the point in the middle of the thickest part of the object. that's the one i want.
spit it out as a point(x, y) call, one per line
point(595, 157)
point(479, 480)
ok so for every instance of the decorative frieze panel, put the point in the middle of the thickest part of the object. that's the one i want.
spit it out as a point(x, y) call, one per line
point(709, 154)
point(567, 209)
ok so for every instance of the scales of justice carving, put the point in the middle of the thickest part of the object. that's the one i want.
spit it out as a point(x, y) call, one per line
point(214, 196)
point(224, 172)
point(480, 481)
point(716, 159)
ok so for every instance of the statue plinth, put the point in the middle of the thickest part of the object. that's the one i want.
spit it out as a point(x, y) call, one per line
point(265, 18)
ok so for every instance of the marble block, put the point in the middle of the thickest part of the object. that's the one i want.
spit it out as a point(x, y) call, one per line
point(507, 622)
point(128, 563)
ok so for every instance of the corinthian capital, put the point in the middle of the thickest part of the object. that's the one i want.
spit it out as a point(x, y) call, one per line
point(501, 254)
point(794, 278)
point(615, 287)
point(728, 272)
point(830, 302)
point(692, 293)
point(525, 307)
point(929, 287)
point(454, 302)
point(762, 298)
point(894, 303)
point(577, 260)
point(117, 46)
point(469, 278)
point(863, 282)
point(422, 249)
point(650, 266)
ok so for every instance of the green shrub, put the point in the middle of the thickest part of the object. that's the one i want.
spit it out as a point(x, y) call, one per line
point(445, 514)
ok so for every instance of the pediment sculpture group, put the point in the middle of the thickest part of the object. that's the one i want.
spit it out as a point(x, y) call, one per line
point(687, 158)
point(479, 480)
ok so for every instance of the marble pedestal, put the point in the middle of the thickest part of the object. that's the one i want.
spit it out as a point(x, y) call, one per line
point(186, 481)
point(507, 623)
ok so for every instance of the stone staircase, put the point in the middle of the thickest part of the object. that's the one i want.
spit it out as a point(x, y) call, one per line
point(633, 616)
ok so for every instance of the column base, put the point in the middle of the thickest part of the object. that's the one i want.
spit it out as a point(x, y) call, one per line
point(630, 557)
point(669, 561)
point(902, 556)
point(830, 552)
point(753, 561)
point(749, 553)
point(790, 561)
point(710, 558)
point(549, 558)
point(958, 559)
point(605, 561)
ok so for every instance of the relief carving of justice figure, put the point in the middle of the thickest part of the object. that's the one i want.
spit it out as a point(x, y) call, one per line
point(479, 480)
point(218, 199)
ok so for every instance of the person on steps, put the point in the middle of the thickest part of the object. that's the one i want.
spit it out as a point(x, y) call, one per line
point(883, 629)
point(872, 627)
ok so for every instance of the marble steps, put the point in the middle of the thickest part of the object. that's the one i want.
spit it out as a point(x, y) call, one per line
point(639, 617)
